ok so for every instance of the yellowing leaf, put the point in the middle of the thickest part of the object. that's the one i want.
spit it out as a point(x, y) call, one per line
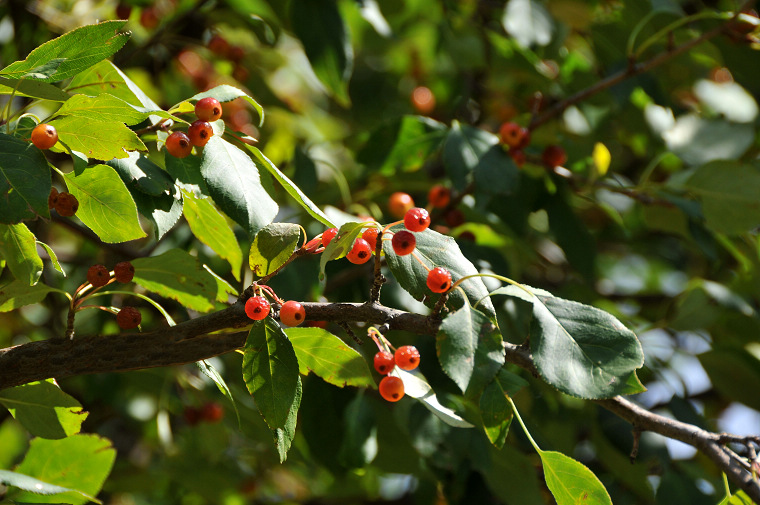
point(602, 158)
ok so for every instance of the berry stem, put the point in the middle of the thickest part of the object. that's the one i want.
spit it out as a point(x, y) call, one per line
point(522, 424)
point(500, 277)
point(419, 260)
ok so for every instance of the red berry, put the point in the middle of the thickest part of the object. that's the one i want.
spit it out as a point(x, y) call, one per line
point(403, 242)
point(200, 132)
point(208, 109)
point(52, 197)
point(423, 100)
point(257, 308)
point(292, 313)
point(439, 196)
point(391, 388)
point(98, 275)
point(454, 218)
point(407, 357)
point(439, 280)
point(554, 156)
point(514, 135)
point(236, 53)
point(123, 11)
point(212, 412)
point(328, 235)
point(128, 318)
point(360, 253)
point(192, 415)
point(149, 17)
point(66, 204)
point(384, 362)
point(124, 272)
point(370, 235)
point(44, 136)
point(518, 156)
point(399, 203)
point(178, 144)
point(417, 219)
point(219, 45)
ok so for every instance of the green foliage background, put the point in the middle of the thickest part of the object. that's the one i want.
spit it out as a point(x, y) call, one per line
point(665, 240)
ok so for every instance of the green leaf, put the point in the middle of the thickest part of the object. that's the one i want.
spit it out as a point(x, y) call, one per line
point(442, 251)
point(234, 184)
point(728, 191)
point(139, 171)
point(18, 246)
point(33, 89)
point(740, 498)
point(19, 293)
point(105, 205)
point(53, 257)
point(105, 77)
point(211, 228)
point(272, 247)
point(330, 358)
point(187, 174)
point(495, 409)
point(528, 22)
point(359, 445)
point(43, 409)
point(37, 486)
point(80, 462)
point(175, 274)
point(223, 288)
point(163, 211)
point(293, 190)
point(403, 145)
point(469, 347)
point(24, 181)
point(105, 107)
point(697, 140)
point(101, 140)
point(571, 482)
point(270, 372)
point(728, 367)
point(580, 350)
point(340, 245)
point(325, 40)
point(227, 93)
point(209, 371)
point(417, 387)
point(80, 48)
point(474, 154)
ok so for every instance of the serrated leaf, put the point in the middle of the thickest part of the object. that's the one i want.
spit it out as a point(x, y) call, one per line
point(80, 48)
point(416, 387)
point(528, 22)
point(24, 181)
point(474, 154)
point(175, 274)
point(139, 171)
point(571, 482)
point(293, 190)
point(37, 486)
point(53, 257)
point(233, 182)
point(227, 93)
point(101, 140)
point(729, 193)
point(270, 372)
point(212, 373)
point(470, 349)
point(33, 89)
point(340, 245)
point(211, 228)
point(319, 26)
point(437, 250)
point(18, 246)
point(105, 204)
point(272, 247)
point(580, 350)
point(44, 409)
point(105, 107)
point(495, 409)
point(19, 293)
point(80, 462)
point(223, 288)
point(163, 211)
point(330, 358)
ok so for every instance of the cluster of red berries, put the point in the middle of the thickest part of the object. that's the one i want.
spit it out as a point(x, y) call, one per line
point(180, 144)
point(65, 204)
point(98, 275)
point(210, 412)
point(292, 312)
point(407, 358)
point(517, 138)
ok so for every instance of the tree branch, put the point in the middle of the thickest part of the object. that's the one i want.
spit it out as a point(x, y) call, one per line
point(209, 336)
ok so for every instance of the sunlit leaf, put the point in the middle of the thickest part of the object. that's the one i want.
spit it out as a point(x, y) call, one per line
point(418, 388)
point(571, 482)
point(37, 486)
point(18, 247)
point(19, 293)
point(101, 140)
point(272, 247)
point(43, 409)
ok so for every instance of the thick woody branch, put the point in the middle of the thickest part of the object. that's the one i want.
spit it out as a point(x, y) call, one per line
point(221, 332)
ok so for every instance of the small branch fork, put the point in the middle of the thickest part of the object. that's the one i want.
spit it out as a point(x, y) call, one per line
point(220, 333)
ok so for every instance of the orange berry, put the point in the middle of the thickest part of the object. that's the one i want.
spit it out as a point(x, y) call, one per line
point(391, 388)
point(44, 136)
point(399, 203)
